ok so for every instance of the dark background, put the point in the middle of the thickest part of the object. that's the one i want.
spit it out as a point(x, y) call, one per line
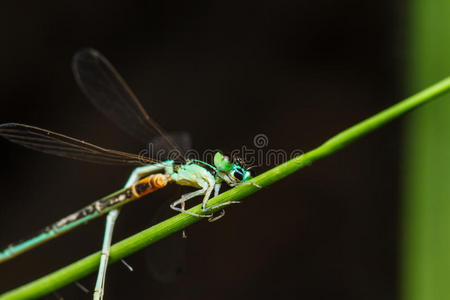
point(297, 71)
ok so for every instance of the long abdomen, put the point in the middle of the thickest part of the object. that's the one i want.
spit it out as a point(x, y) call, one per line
point(100, 207)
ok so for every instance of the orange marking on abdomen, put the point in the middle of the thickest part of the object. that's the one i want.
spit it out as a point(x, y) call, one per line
point(149, 184)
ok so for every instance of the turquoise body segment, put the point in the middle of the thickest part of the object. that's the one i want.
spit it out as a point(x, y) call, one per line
point(46, 235)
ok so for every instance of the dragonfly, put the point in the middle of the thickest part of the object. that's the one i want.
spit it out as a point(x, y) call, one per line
point(109, 93)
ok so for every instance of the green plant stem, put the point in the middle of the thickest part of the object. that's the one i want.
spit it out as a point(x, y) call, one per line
point(89, 264)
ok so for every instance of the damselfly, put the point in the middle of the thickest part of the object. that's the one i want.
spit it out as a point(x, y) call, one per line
point(108, 91)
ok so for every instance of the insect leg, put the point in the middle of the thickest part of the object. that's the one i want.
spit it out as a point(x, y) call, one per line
point(110, 222)
point(222, 204)
point(188, 196)
point(100, 284)
point(144, 171)
point(245, 183)
point(222, 213)
point(206, 198)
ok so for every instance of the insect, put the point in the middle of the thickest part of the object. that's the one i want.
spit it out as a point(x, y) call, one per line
point(108, 91)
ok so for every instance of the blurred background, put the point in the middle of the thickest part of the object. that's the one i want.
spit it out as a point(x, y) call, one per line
point(369, 222)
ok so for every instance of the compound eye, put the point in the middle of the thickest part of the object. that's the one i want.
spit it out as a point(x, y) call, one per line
point(238, 175)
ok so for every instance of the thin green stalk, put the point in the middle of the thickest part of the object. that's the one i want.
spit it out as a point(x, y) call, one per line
point(89, 264)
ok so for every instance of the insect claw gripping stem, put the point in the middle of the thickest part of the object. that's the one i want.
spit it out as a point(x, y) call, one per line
point(185, 198)
point(246, 183)
point(213, 219)
point(255, 184)
point(222, 213)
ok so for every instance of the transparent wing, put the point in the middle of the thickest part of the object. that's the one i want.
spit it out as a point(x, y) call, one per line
point(110, 94)
point(160, 150)
point(61, 145)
